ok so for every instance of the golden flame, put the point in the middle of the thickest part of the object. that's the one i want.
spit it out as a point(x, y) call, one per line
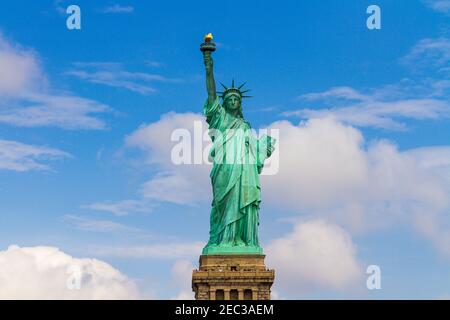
point(208, 37)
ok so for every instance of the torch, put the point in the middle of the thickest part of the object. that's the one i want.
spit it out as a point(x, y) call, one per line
point(207, 47)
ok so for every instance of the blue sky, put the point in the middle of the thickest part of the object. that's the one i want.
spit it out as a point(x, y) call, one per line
point(364, 115)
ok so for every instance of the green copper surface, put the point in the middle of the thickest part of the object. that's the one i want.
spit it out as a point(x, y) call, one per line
point(238, 158)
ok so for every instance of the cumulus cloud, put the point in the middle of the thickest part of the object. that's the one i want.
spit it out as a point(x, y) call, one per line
point(433, 158)
point(181, 184)
point(20, 69)
point(363, 186)
point(173, 187)
point(174, 183)
point(22, 157)
point(316, 254)
point(182, 277)
point(48, 273)
point(325, 164)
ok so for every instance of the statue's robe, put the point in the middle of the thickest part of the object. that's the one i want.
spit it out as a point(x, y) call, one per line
point(238, 158)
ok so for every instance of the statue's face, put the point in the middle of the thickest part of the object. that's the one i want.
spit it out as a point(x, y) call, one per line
point(233, 103)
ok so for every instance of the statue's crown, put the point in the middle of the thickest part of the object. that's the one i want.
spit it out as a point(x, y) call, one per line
point(233, 91)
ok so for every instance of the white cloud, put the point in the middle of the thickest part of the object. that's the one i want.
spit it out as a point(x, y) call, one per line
point(182, 277)
point(326, 163)
point(26, 98)
point(439, 5)
point(114, 75)
point(433, 158)
point(377, 109)
point(316, 254)
point(155, 138)
point(118, 9)
point(330, 173)
point(429, 53)
point(17, 156)
point(174, 188)
point(181, 184)
point(20, 69)
point(44, 273)
point(63, 111)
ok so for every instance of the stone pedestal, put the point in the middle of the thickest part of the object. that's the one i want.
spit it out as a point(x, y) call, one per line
point(232, 277)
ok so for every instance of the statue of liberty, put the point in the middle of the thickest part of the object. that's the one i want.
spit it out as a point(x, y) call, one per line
point(237, 160)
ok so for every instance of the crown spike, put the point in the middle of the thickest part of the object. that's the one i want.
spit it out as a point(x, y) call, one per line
point(233, 90)
point(223, 86)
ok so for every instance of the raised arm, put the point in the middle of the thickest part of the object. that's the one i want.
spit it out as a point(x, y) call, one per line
point(210, 83)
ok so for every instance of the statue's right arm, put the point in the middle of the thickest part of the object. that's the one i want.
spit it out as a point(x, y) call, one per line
point(210, 83)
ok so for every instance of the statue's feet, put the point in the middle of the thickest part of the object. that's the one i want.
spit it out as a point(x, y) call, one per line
point(221, 245)
point(239, 243)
